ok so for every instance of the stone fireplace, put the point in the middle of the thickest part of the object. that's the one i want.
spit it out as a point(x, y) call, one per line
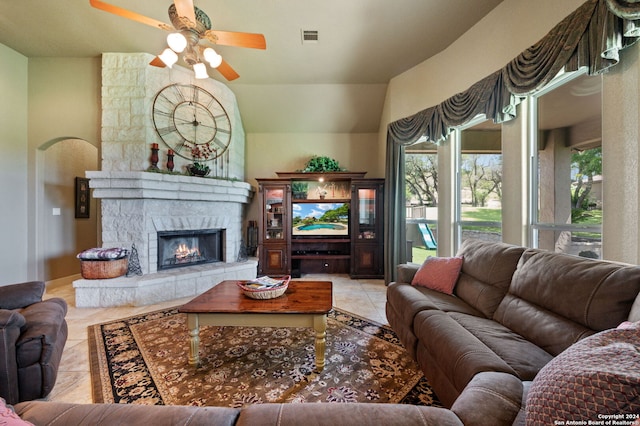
point(138, 207)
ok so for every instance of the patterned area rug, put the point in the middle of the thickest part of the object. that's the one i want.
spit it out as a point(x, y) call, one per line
point(143, 360)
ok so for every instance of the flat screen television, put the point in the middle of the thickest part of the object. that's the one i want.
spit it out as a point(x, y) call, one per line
point(320, 220)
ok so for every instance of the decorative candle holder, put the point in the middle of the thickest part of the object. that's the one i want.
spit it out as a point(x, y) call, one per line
point(170, 164)
point(154, 157)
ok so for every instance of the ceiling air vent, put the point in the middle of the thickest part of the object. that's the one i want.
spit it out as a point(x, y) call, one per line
point(309, 36)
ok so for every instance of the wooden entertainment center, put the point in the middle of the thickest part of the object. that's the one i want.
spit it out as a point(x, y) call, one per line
point(321, 223)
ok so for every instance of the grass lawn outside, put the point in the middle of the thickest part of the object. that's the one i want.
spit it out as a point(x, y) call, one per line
point(420, 254)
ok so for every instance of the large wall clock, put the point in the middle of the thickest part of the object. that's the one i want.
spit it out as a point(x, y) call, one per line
point(192, 122)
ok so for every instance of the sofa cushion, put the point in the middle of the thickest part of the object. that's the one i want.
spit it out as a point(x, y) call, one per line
point(486, 273)
point(556, 299)
point(459, 354)
point(438, 273)
point(404, 301)
point(597, 376)
point(524, 357)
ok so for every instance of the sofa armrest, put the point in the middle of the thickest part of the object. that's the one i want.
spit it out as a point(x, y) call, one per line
point(16, 296)
point(45, 330)
point(10, 325)
point(406, 272)
point(491, 399)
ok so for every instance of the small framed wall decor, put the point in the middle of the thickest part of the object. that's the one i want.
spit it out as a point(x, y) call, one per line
point(82, 198)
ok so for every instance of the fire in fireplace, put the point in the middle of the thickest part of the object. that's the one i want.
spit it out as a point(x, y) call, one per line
point(191, 247)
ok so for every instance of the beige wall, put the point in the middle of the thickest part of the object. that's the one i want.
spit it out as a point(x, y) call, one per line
point(13, 166)
point(64, 100)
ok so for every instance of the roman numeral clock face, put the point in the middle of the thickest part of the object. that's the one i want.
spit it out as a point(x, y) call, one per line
point(192, 122)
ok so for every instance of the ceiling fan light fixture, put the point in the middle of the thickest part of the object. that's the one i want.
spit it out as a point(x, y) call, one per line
point(200, 71)
point(191, 25)
point(211, 56)
point(169, 57)
point(177, 42)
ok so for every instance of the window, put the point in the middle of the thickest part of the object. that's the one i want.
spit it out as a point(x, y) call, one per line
point(421, 183)
point(479, 213)
point(567, 186)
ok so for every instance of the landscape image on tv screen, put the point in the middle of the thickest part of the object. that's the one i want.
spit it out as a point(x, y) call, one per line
point(320, 219)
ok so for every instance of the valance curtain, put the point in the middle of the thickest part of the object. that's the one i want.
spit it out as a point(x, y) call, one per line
point(590, 37)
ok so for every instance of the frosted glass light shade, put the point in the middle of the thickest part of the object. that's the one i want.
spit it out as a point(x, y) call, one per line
point(200, 70)
point(212, 57)
point(169, 57)
point(177, 42)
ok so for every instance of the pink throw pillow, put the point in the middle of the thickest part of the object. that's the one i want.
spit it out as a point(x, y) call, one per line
point(8, 417)
point(439, 273)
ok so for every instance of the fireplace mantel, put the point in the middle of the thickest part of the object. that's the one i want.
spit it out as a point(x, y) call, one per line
point(159, 186)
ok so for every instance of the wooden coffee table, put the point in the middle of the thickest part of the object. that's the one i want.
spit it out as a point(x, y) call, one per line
point(304, 304)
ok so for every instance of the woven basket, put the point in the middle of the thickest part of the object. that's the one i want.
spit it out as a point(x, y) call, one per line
point(103, 269)
point(267, 293)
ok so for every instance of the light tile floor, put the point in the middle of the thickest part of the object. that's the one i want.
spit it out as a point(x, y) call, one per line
point(365, 298)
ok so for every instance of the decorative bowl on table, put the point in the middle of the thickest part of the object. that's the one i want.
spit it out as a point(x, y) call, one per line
point(263, 288)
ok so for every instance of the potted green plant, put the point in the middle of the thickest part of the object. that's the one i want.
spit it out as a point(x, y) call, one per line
point(322, 164)
point(299, 190)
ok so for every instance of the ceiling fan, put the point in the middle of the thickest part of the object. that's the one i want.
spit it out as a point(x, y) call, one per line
point(191, 34)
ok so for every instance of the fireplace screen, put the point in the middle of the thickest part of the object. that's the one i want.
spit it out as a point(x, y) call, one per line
point(188, 248)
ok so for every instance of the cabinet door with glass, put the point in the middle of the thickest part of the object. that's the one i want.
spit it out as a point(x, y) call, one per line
point(367, 227)
point(275, 227)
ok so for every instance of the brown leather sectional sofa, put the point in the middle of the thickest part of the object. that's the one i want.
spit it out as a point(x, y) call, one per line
point(513, 310)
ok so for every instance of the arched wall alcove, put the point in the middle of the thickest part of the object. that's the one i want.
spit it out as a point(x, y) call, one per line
point(60, 235)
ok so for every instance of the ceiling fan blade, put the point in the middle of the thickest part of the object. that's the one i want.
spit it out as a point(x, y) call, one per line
point(129, 15)
point(227, 72)
point(231, 38)
point(157, 62)
point(185, 9)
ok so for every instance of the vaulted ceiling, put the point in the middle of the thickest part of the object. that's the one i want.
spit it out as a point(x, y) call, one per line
point(336, 85)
